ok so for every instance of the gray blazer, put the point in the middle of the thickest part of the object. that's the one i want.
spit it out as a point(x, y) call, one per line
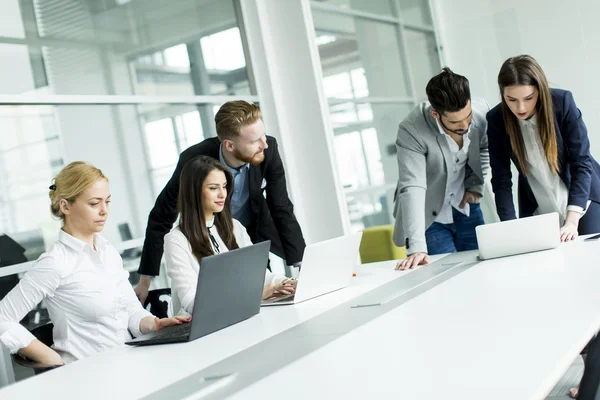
point(423, 162)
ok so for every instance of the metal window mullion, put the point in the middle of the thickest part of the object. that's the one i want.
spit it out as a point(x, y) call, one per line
point(371, 100)
point(404, 54)
point(420, 28)
point(72, 99)
point(360, 132)
point(245, 48)
point(438, 42)
point(369, 189)
point(315, 5)
point(21, 146)
point(176, 134)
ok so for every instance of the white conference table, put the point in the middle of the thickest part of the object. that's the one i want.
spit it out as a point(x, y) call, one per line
point(134, 372)
point(502, 329)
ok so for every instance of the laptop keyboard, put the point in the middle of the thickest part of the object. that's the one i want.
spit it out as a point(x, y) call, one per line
point(177, 331)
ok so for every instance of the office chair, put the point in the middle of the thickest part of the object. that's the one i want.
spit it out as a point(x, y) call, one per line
point(159, 303)
point(126, 235)
point(11, 253)
point(43, 334)
point(377, 245)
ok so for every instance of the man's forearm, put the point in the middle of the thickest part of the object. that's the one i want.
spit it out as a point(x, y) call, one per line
point(151, 258)
point(146, 280)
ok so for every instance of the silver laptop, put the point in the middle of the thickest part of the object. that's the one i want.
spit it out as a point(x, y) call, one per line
point(326, 266)
point(518, 236)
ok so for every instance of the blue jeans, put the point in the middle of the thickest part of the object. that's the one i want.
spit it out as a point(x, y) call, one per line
point(458, 236)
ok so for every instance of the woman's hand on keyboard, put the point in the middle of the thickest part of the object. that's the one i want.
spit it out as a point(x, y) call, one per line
point(152, 324)
point(287, 286)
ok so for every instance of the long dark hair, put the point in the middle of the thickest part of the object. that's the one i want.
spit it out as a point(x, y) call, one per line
point(524, 70)
point(190, 205)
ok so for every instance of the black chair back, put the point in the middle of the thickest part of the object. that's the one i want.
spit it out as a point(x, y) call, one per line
point(43, 334)
point(158, 302)
point(11, 253)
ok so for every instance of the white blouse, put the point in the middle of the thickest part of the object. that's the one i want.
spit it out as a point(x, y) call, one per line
point(89, 298)
point(455, 189)
point(550, 192)
point(183, 266)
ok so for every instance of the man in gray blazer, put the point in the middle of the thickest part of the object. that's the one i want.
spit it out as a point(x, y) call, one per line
point(443, 160)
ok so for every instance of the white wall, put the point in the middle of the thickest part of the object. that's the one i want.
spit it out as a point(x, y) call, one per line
point(479, 35)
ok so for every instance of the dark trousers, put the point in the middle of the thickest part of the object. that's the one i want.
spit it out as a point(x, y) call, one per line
point(590, 222)
point(590, 383)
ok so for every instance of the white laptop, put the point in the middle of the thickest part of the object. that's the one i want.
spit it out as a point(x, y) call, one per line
point(518, 236)
point(326, 266)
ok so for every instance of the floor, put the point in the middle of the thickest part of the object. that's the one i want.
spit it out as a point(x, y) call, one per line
point(570, 379)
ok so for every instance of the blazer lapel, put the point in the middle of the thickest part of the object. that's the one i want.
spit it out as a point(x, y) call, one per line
point(255, 176)
point(474, 156)
point(255, 179)
point(443, 143)
point(561, 153)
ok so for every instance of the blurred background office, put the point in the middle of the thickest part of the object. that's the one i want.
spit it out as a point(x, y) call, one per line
point(129, 84)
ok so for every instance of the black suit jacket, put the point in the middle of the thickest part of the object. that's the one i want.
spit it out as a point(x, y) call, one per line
point(578, 169)
point(273, 220)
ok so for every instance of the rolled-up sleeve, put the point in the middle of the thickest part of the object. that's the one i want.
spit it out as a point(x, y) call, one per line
point(37, 284)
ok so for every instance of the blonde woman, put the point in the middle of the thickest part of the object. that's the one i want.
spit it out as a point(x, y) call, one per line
point(541, 130)
point(90, 301)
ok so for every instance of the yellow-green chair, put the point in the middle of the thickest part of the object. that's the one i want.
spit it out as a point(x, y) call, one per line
point(377, 245)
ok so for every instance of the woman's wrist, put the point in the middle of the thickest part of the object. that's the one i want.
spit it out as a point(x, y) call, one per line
point(572, 217)
point(148, 324)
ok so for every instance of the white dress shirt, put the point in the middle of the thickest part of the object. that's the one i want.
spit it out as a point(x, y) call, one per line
point(550, 192)
point(183, 266)
point(456, 177)
point(89, 298)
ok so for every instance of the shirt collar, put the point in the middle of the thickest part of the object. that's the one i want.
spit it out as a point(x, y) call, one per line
point(529, 122)
point(211, 223)
point(79, 245)
point(466, 139)
point(222, 160)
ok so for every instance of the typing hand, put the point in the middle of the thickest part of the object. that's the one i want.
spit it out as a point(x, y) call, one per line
point(287, 286)
point(160, 323)
point(413, 261)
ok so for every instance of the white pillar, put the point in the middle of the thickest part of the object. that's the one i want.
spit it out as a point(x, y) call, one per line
point(287, 72)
